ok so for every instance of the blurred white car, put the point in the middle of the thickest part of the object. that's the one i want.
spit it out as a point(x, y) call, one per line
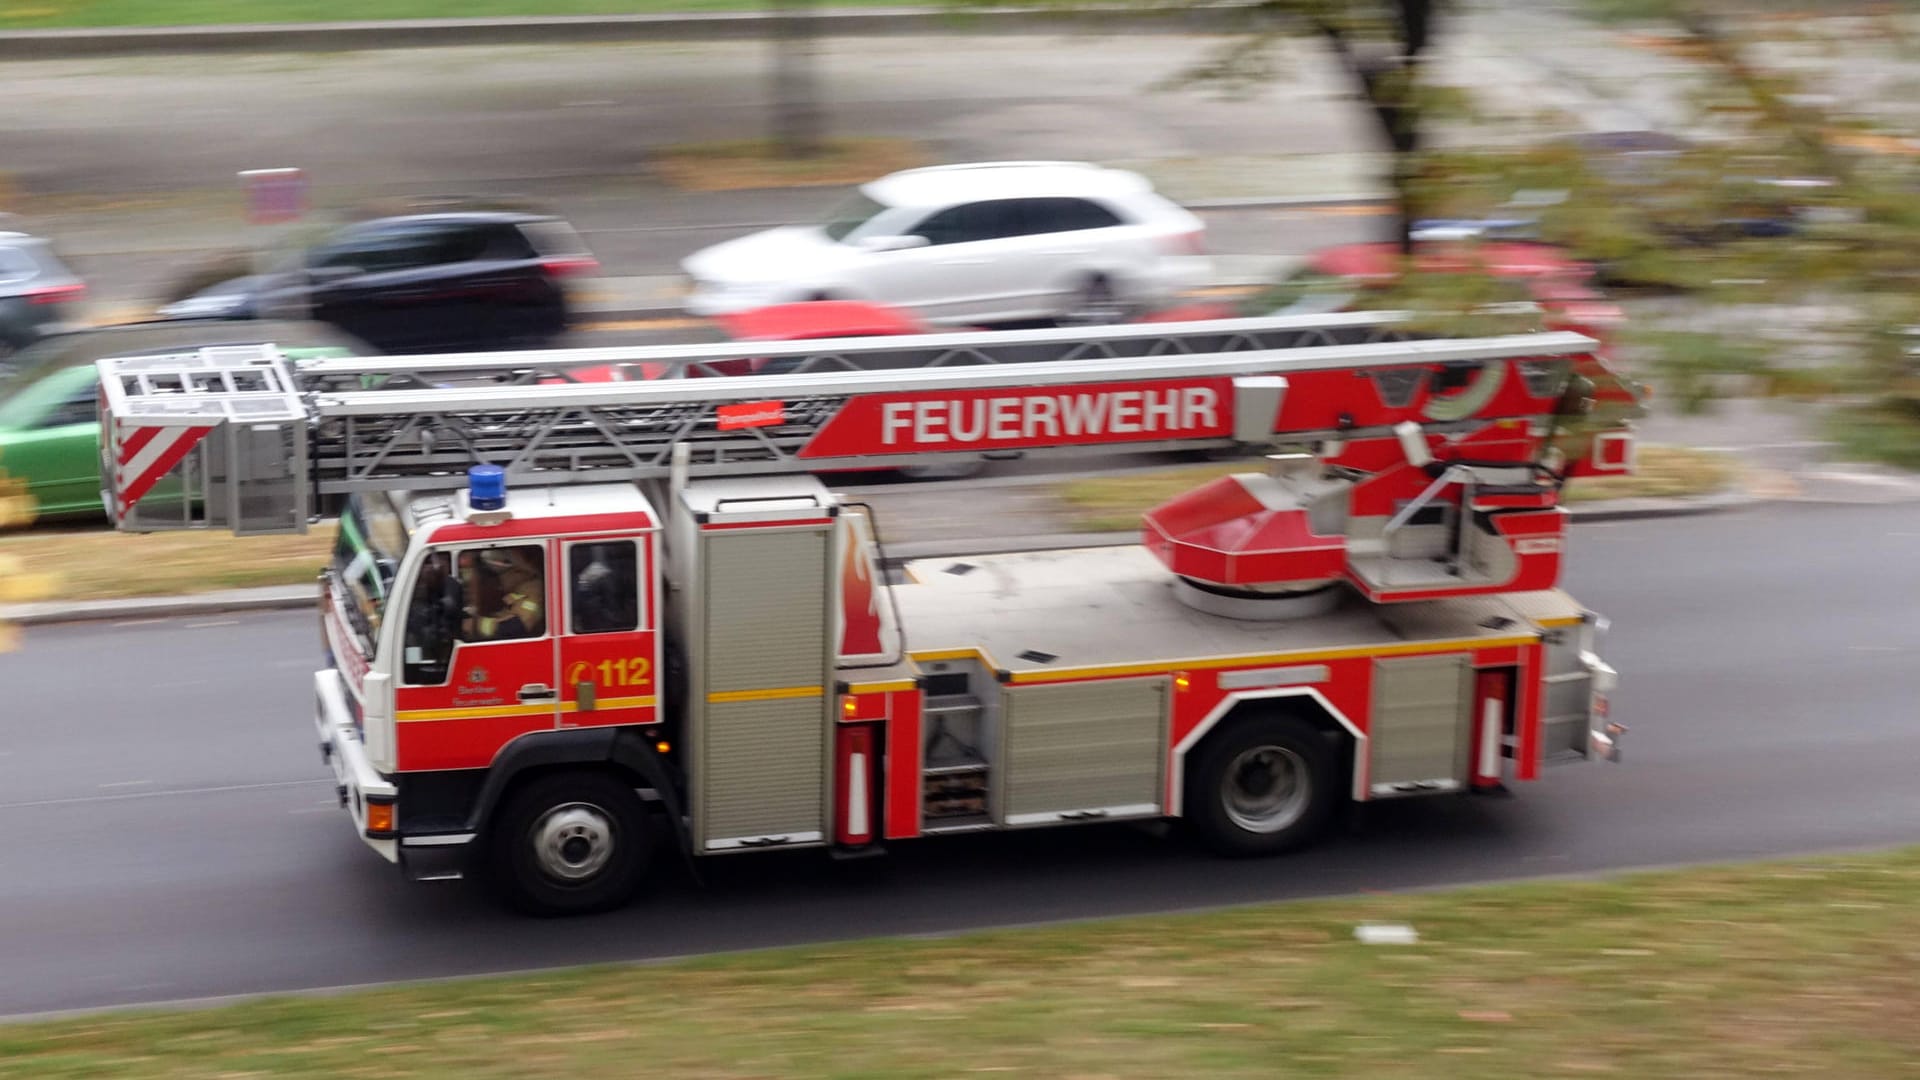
point(991, 242)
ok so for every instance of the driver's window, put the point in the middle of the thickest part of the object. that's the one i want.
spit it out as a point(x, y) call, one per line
point(506, 591)
point(474, 597)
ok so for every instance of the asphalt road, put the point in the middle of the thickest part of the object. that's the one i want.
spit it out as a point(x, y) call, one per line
point(167, 832)
point(129, 164)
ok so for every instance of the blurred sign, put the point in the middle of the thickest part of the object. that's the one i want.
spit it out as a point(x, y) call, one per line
point(275, 196)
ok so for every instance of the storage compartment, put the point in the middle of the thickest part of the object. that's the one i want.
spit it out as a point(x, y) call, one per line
point(957, 745)
point(1084, 751)
point(1422, 722)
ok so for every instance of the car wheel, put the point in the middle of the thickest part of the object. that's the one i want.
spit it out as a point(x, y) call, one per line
point(1095, 303)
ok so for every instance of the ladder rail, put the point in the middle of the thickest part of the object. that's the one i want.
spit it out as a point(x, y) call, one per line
point(955, 348)
point(181, 413)
point(1551, 344)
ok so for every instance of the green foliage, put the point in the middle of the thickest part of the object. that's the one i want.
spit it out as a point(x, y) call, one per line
point(1689, 364)
point(1888, 430)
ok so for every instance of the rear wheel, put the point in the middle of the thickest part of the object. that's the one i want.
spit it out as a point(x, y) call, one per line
point(568, 844)
point(1095, 304)
point(955, 470)
point(1264, 785)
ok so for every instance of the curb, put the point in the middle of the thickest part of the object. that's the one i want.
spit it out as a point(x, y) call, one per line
point(293, 597)
point(276, 598)
point(1641, 509)
point(96, 42)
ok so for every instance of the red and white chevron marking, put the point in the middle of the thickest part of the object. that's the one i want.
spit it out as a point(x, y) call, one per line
point(143, 455)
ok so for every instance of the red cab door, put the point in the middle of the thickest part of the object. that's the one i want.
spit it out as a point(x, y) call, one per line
point(609, 641)
point(478, 662)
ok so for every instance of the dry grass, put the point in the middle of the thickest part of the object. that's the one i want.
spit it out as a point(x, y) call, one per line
point(1115, 503)
point(757, 163)
point(1668, 472)
point(1800, 967)
point(98, 564)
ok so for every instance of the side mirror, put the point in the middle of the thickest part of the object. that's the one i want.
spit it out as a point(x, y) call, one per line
point(893, 243)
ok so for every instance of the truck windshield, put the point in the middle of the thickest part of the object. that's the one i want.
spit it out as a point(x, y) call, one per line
point(366, 555)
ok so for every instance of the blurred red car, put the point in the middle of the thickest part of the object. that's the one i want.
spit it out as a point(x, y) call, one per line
point(1333, 279)
point(780, 322)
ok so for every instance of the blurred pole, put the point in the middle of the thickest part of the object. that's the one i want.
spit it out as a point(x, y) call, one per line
point(276, 201)
point(796, 90)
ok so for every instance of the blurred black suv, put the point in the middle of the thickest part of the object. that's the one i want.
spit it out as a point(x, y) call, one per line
point(420, 283)
point(37, 292)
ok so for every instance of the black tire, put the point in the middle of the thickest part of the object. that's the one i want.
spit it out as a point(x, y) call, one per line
point(1095, 303)
point(1263, 785)
point(956, 470)
point(542, 856)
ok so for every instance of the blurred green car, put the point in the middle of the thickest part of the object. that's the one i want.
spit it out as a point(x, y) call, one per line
point(49, 423)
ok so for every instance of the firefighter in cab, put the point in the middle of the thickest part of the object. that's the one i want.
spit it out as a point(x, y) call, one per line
point(508, 590)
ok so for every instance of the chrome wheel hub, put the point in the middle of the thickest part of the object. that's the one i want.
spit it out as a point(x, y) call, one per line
point(1267, 789)
point(573, 842)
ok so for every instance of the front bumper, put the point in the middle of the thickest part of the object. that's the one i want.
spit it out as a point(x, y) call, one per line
point(355, 779)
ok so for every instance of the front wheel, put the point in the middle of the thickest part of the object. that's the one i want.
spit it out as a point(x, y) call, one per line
point(1265, 785)
point(568, 844)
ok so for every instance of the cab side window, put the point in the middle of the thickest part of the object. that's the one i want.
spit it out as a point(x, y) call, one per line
point(434, 614)
point(603, 587)
point(506, 593)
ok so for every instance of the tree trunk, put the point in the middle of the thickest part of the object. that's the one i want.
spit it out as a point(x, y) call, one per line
point(796, 93)
point(1390, 83)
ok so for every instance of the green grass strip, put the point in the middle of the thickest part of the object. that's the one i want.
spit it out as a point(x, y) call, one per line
point(1792, 967)
point(40, 14)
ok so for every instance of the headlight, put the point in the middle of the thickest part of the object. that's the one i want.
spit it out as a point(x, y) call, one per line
point(201, 307)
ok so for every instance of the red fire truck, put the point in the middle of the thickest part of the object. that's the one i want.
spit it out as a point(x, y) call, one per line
point(566, 620)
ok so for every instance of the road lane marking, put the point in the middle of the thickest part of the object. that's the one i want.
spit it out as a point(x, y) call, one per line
point(215, 790)
point(204, 623)
point(643, 324)
point(126, 783)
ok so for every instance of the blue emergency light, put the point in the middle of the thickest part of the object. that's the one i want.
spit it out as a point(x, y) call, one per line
point(487, 487)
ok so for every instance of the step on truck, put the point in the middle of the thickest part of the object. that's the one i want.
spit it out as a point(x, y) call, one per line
point(571, 627)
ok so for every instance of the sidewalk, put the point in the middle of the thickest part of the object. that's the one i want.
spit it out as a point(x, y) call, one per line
point(600, 29)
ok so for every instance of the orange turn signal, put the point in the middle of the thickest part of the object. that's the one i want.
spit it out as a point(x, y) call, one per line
point(663, 746)
point(379, 818)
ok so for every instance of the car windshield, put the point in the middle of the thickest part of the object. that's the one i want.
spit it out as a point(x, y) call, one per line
point(366, 554)
point(38, 403)
point(31, 364)
point(854, 212)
